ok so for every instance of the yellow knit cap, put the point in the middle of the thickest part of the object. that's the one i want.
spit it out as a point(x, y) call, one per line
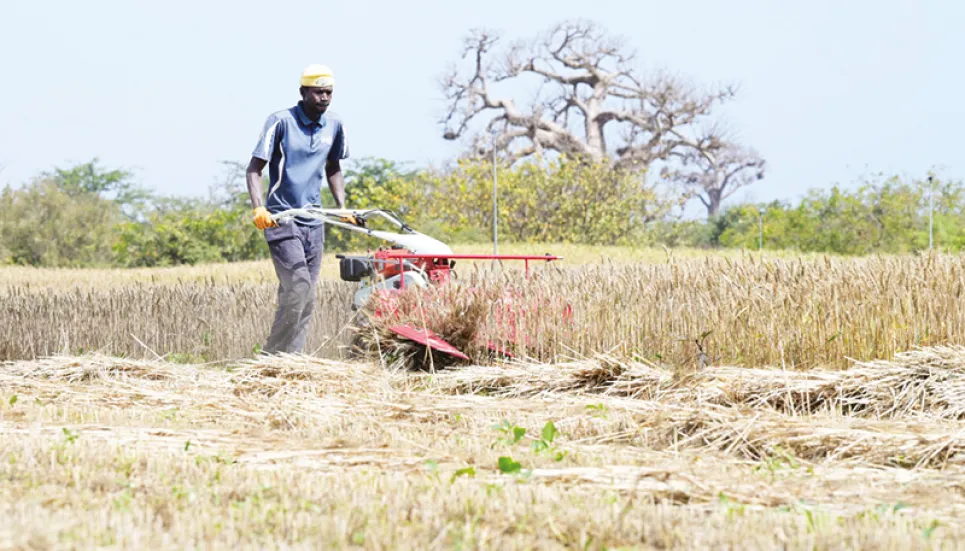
point(318, 76)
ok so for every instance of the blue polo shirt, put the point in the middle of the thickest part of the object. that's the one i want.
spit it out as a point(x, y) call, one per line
point(296, 149)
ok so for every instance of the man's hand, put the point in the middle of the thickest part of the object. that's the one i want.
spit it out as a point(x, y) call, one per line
point(349, 219)
point(263, 219)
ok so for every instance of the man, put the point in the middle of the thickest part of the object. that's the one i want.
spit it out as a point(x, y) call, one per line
point(301, 145)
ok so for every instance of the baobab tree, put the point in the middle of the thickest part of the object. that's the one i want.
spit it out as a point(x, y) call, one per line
point(714, 171)
point(591, 102)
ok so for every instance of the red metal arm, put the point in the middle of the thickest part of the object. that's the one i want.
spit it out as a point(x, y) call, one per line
point(408, 255)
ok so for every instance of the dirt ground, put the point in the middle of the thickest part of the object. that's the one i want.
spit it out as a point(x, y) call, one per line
point(299, 452)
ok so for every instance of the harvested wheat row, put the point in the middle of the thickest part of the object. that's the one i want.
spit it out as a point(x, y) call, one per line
point(294, 372)
point(79, 369)
point(298, 392)
point(759, 434)
point(602, 374)
point(927, 381)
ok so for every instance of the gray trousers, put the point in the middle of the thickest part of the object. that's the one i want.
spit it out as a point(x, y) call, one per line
point(296, 251)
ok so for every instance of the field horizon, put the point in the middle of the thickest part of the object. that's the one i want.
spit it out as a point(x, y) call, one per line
point(261, 271)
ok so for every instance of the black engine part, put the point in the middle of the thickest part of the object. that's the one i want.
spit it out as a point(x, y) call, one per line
point(354, 268)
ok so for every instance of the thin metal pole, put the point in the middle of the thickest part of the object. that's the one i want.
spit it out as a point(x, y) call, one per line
point(760, 235)
point(495, 210)
point(931, 209)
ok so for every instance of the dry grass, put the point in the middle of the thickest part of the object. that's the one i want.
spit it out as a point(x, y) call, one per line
point(792, 312)
point(313, 453)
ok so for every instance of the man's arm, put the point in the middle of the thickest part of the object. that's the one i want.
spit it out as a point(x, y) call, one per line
point(336, 182)
point(253, 175)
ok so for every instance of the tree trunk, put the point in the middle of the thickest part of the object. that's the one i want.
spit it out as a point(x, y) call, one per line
point(594, 131)
point(713, 202)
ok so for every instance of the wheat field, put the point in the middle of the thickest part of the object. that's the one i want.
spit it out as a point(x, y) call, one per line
point(692, 402)
point(796, 313)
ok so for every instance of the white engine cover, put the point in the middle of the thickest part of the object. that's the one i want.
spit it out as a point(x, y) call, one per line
point(418, 243)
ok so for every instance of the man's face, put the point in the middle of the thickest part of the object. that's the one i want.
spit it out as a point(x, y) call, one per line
point(316, 99)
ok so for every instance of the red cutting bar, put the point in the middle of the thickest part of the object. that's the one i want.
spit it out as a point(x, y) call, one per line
point(441, 272)
point(401, 254)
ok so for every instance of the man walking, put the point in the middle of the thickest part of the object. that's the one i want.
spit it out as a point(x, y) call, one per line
point(301, 146)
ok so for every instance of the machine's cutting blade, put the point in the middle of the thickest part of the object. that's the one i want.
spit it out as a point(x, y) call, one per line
point(428, 338)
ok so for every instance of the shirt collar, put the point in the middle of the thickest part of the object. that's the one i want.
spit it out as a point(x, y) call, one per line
point(304, 118)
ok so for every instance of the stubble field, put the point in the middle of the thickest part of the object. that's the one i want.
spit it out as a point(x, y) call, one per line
point(826, 414)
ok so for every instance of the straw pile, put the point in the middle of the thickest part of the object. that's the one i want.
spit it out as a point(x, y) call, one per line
point(926, 381)
point(137, 448)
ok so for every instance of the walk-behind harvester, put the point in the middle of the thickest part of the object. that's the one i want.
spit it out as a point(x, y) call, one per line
point(415, 260)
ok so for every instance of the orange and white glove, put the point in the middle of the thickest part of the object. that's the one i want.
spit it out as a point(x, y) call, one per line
point(349, 219)
point(263, 219)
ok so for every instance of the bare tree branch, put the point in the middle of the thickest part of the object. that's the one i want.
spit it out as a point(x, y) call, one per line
point(590, 95)
point(715, 169)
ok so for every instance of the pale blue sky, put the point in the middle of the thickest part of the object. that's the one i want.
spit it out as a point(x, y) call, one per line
point(830, 90)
